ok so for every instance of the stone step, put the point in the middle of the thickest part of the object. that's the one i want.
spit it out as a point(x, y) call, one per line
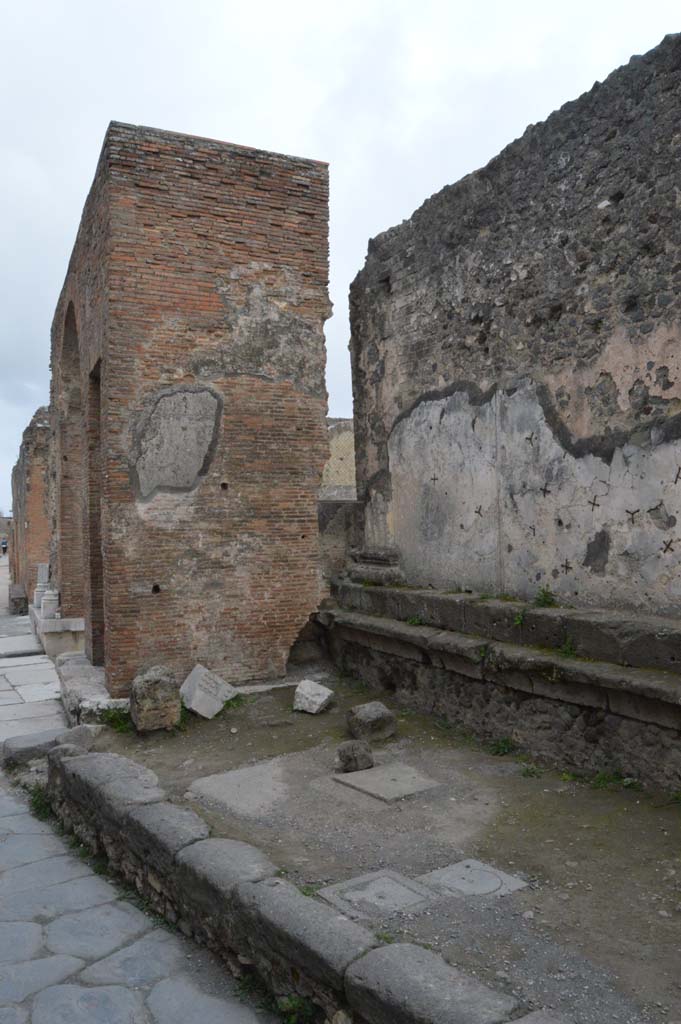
point(623, 638)
point(641, 694)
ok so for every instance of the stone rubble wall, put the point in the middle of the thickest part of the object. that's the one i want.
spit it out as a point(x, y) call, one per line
point(516, 354)
point(568, 711)
point(227, 895)
point(31, 526)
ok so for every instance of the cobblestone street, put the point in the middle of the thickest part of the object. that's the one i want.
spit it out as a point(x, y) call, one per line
point(72, 949)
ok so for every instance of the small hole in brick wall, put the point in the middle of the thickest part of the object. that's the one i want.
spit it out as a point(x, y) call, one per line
point(156, 589)
point(65, 458)
point(224, 486)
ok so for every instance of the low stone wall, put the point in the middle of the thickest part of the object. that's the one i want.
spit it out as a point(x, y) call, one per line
point(569, 711)
point(226, 895)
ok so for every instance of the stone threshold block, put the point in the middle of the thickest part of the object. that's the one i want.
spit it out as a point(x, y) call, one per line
point(83, 689)
point(58, 636)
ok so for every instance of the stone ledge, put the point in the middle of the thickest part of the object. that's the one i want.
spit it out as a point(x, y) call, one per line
point(589, 715)
point(83, 689)
point(58, 636)
point(642, 641)
point(223, 893)
point(403, 983)
point(546, 673)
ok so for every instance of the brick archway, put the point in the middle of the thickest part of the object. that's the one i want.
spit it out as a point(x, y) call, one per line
point(70, 553)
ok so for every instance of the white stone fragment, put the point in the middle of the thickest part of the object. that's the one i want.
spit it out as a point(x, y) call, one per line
point(311, 697)
point(205, 693)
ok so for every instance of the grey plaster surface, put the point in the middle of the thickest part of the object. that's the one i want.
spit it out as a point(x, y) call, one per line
point(74, 951)
point(388, 783)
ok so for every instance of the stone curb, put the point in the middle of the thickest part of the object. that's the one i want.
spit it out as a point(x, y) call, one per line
point(226, 895)
point(547, 673)
point(19, 750)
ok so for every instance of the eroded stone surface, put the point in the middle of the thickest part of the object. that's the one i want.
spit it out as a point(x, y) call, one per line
point(371, 721)
point(312, 697)
point(205, 693)
point(155, 700)
point(354, 756)
point(175, 440)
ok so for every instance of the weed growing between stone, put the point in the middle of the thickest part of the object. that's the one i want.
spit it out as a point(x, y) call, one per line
point(117, 719)
point(545, 599)
point(39, 801)
point(415, 620)
point(567, 648)
point(502, 747)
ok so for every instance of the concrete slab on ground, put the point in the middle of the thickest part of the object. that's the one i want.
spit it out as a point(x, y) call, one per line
point(388, 783)
point(385, 892)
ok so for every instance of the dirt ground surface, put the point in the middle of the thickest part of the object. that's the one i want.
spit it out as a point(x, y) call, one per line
point(595, 934)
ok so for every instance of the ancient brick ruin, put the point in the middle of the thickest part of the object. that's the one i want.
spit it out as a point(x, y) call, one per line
point(516, 361)
point(188, 405)
point(31, 528)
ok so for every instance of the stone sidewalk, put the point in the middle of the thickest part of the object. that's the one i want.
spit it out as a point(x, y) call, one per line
point(74, 951)
point(29, 687)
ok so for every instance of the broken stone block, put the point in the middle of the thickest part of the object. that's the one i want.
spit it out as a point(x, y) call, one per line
point(354, 756)
point(371, 721)
point(155, 700)
point(205, 693)
point(312, 697)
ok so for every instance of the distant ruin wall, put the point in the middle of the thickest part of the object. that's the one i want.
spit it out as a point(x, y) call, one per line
point(188, 389)
point(30, 539)
point(516, 350)
point(338, 478)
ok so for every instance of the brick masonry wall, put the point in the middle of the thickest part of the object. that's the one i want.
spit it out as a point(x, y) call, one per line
point(202, 268)
point(516, 360)
point(30, 539)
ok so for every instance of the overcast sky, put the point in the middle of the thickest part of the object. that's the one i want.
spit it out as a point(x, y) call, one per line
point(401, 97)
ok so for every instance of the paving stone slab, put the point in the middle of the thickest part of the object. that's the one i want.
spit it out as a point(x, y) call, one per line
point(23, 825)
point(19, 727)
point(19, 981)
point(177, 1001)
point(19, 712)
point(13, 1015)
point(252, 791)
point(18, 850)
point(19, 940)
point(155, 956)
point(15, 645)
point(74, 1004)
point(384, 891)
point(472, 878)
point(41, 874)
point(402, 984)
point(96, 932)
point(389, 782)
point(8, 805)
point(43, 904)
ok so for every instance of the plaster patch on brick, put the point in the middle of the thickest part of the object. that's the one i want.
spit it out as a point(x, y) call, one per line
point(176, 440)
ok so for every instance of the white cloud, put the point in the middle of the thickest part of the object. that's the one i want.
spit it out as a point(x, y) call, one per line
point(401, 98)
